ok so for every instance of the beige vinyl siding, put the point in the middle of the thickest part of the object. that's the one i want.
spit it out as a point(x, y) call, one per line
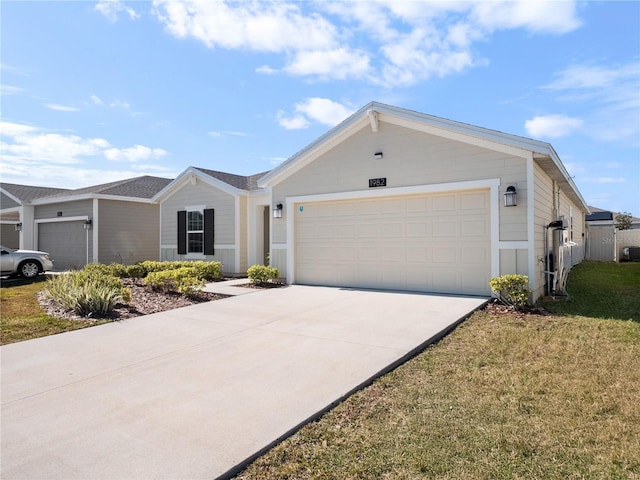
point(543, 215)
point(68, 209)
point(128, 232)
point(200, 194)
point(10, 237)
point(409, 158)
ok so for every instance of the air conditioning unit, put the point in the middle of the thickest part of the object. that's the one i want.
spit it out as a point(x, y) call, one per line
point(631, 254)
point(561, 224)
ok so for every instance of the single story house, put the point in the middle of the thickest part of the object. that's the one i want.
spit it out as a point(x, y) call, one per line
point(112, 222)
point(389, 198)
point(396, 199)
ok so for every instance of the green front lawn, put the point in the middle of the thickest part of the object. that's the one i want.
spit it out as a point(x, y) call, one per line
point(22, 316)
point(502, 397)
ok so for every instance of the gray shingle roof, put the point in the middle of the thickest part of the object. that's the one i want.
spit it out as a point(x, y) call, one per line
point(26, 193)
point(139, 187)
point(238, 181)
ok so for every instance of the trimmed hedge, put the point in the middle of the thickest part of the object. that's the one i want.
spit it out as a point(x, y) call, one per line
point(262, 274)
point(512, 289)
point(183, 280)
point(209, 271)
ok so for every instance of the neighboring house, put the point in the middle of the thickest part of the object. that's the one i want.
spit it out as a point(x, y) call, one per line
point(205, 214)
point(396, 199)
point(604, 241)
point(113, 222)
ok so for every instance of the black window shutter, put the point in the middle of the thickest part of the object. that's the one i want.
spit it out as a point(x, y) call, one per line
point(182, 232)
point(208, 231)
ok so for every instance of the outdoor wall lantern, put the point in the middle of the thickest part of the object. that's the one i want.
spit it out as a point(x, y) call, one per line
point(87, 225)
point(19, 227)
point(377, 155)
point(277, 212)
point(510, 197)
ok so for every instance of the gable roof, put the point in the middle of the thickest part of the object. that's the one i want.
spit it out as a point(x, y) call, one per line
point(142, 188)
point(241, 182)
point(374, 112)
point(228, 182)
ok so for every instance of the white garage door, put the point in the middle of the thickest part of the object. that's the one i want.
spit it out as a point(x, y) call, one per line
point(431, 243)
point(65, 241)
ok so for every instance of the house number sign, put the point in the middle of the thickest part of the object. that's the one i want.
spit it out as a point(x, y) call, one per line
point(377, 182)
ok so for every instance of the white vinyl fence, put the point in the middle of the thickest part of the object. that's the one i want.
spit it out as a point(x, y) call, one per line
point(605, 243)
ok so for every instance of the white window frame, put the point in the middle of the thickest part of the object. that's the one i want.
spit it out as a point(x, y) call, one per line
point(195, 255)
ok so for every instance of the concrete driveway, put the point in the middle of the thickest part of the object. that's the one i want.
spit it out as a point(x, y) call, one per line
point(195, 392)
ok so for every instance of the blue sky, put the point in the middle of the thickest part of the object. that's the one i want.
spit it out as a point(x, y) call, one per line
point(99, 91)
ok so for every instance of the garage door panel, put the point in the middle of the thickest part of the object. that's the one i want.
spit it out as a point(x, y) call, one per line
point(437, 243)
point(65, 241)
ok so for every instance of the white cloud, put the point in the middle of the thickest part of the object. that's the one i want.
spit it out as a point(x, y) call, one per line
point(111, 9)
point(219, 134)
point(61, 108)
point(35, 147)
point(96, 100)
point(552, 126)
point(10, 90)
point(134, 154)
point(339, 63)
point(320, 110)
point(119, 104)
point(382, 42)
point(604, 180)
point(536, 16)
point(610, 92)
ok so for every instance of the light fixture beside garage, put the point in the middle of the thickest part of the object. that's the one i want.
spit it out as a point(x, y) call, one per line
point(277, 212)
point(19, 227)
point(510, 197)
point(87, 225)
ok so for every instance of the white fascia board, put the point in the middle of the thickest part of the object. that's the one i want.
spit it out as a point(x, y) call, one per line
point(185, 177)
point(11, 196)
point(10, 210)
point(567, 178)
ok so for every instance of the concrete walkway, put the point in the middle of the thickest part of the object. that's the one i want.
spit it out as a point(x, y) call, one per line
point(195, 392)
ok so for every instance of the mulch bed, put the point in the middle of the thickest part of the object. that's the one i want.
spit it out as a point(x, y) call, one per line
point(496, 307)
point(144, 301)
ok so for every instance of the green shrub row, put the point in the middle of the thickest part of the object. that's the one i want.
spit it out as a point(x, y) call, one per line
point(208, 271)
point(87, 292)
point(185, 280)
point(262, 274)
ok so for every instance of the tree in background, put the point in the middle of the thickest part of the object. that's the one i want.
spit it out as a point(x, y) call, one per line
point(623, 221)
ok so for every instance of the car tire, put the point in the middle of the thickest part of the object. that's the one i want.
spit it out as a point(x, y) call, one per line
point(29, 269)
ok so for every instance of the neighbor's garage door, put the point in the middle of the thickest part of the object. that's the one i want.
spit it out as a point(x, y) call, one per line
point(65, 241)
point(432, 243)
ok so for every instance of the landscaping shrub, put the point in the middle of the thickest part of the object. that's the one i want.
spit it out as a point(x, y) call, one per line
point(512, 289)
point(262, 274)
point(204, 270)
point(208, 271)
point(182, 280)
point(87, 292)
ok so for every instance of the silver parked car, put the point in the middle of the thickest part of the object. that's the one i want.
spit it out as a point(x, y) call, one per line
point(26, 263)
